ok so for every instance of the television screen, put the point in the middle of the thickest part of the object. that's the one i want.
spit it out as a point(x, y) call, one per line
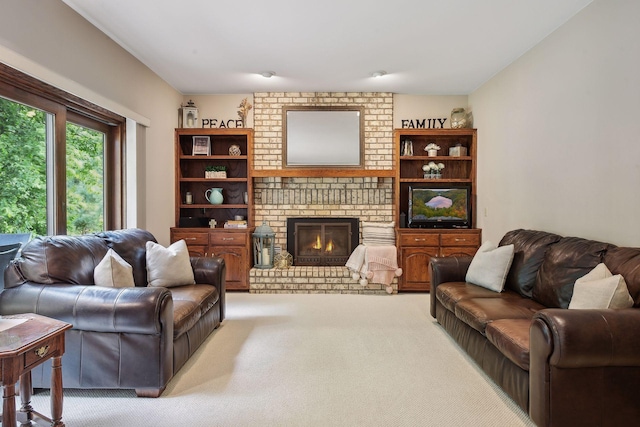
point(439, 207)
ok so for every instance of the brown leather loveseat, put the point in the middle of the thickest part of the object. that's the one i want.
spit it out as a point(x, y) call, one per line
point(565, 367)
point(133, 337)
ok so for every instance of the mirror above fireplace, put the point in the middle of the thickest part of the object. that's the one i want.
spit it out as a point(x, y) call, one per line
point(323, 136)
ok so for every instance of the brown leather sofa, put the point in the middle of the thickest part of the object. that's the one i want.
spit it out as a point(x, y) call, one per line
point(565, 367)
point(131, 338)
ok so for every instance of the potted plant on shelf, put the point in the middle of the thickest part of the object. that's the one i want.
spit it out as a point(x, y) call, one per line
point(432, 149)
point(432, 170)
point(215, 172)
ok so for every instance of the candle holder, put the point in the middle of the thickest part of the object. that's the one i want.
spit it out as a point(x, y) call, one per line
point(263, 243)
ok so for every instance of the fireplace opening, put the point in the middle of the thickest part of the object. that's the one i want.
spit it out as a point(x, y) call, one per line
point(321, 241)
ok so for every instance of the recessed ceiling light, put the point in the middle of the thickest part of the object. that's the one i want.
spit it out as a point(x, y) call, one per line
point(378, 73)
point(268, 74)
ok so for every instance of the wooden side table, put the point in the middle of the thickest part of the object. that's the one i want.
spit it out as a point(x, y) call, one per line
point(26, 341)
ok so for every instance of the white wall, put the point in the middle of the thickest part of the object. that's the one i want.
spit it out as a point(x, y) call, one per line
point(559, 130)
point(51, 42)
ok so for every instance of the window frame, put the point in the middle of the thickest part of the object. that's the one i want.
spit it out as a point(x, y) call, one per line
point(66, 107)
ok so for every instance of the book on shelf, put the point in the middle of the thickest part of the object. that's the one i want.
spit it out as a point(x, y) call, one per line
point(235, 224)
point(236, 221)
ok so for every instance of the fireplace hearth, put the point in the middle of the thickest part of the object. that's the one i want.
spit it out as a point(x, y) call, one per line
point(321, 241)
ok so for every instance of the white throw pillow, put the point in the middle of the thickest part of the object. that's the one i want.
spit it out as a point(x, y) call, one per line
point(490, 266)
point(113, 271)
point(600, 289)
point(378, 233)
point(170, 266)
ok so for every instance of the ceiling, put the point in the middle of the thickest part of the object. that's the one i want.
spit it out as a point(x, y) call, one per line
point(430, 47)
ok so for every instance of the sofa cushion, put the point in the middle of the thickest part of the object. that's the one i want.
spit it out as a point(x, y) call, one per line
point(113, 272)
point(565, 262)
point(130, 244)
point(528, 254)
point(190, 303)
point(511, 337)
point(62, 259)
point(478, 312)
point(186, 313)
point(168, 267)
point(490, 266)
point(449, 294)
point(626, 261)
point(600, 289)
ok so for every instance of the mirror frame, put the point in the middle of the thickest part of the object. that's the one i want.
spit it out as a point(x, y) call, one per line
point(286, 109)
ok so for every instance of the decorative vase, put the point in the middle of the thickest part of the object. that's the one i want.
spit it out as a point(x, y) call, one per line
point(458, 118)
point(407, 148)
point(214, 196)
point(432, 153)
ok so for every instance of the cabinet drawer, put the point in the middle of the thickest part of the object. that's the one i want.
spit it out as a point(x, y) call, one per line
point(460, 239)
point(419, 239)
point(459, 251)
point(40, 353)
point(229, 239)
point(190, 237)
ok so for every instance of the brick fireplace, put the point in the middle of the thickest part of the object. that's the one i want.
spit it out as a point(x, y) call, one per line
point(320, 241)
point(278, 198)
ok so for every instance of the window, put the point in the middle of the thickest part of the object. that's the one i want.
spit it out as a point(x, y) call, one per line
point(23, 168)
point(84, 168)
point(61, 162)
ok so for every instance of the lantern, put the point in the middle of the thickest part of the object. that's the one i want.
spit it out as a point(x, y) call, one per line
point(263, 241)
point(188, 117)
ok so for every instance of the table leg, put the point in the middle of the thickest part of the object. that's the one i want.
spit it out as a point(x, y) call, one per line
point(9, 405)
point(56, 392)
point(26, 410)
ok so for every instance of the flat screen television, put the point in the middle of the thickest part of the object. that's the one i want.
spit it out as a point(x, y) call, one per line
point(439, 207)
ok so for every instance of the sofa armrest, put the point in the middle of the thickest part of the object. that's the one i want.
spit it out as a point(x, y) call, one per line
point(135, 310)
point(587, 338)
point(584, 358)
point(211, 271)
point(446, 269)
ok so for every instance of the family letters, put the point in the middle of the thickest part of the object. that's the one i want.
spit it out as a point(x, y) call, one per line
point(423, 124)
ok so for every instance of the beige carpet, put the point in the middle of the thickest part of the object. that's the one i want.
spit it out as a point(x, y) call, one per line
point(313, 360)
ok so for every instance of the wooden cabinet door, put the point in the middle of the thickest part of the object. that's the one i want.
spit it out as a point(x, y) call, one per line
point(415, 268)
point(236, 263)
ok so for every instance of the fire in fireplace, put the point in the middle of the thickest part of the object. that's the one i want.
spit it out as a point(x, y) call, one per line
point(321, 241)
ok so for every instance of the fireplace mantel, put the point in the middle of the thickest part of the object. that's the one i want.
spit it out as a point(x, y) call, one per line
point(322, 173)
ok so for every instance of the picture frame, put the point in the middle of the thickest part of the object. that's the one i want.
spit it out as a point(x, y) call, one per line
point(201, 146)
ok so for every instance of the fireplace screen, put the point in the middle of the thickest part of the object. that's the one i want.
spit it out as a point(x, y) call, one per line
point(321, 241)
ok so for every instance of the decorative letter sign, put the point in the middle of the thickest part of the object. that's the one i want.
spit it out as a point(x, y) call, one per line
point(423, 123)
